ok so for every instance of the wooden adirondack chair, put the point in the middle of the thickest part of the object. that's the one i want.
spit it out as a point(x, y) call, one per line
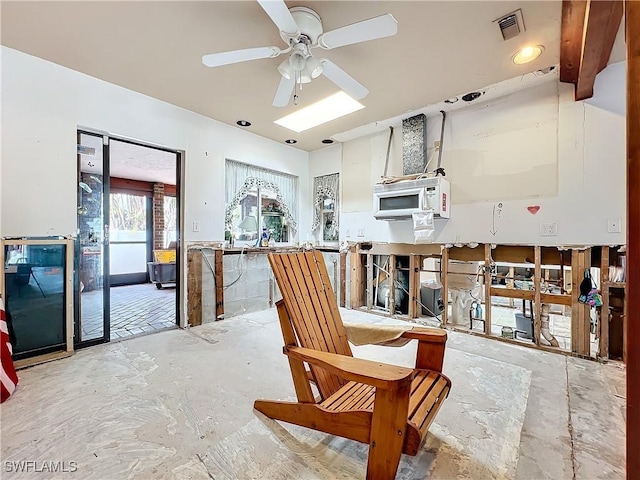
point(386, 406)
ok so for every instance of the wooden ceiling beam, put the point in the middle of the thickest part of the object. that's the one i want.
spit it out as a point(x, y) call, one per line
point(573, 15)
point(617, 11)
point(589, 30)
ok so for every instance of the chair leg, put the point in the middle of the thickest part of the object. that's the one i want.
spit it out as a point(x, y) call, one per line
point(388, 431)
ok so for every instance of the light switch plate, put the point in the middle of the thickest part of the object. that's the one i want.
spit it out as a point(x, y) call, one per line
point(196, 226)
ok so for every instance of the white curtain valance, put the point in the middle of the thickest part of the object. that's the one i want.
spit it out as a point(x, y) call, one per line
point(241, 178)
point(326, 186)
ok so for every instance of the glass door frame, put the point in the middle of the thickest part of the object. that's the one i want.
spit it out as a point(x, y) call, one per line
point(106, 195)
point(106, 290)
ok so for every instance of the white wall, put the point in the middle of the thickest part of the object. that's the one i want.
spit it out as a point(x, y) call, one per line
point(566, 157)
point(42, 106)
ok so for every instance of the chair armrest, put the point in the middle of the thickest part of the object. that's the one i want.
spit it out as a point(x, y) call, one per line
point(426, 334)
point(376, 374)
point(431, 345)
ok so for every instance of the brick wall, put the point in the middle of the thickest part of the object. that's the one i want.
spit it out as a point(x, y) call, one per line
point(158, 216)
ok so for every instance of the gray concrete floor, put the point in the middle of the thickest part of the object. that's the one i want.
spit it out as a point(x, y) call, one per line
point(178, 404)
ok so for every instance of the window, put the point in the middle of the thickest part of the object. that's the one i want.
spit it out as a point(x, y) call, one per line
point(128, 233)
point(329, 220)
point(170, 208)
point(259, 199)
point(326, 208)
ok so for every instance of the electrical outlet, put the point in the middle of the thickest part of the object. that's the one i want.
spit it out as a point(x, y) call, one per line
point(196, 226)
point(348, 233)
point(548, 229)
point(613, 225)
point(361, 232)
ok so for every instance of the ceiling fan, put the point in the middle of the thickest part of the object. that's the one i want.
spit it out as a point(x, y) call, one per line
point(301, 29)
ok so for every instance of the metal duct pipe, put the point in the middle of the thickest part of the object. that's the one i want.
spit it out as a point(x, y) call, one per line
point(439, 170)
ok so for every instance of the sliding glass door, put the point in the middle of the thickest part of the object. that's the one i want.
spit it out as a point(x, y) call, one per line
point(128, 207)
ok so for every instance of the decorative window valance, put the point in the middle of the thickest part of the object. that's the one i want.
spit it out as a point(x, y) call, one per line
point(241, 179)
point(324, 187)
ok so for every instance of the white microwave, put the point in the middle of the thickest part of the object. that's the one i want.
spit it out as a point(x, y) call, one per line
point(397, 201)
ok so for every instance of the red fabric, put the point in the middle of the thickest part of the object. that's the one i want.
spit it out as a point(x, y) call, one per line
point(8, 376)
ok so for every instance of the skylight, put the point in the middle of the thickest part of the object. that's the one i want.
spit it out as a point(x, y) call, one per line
point(334, 106)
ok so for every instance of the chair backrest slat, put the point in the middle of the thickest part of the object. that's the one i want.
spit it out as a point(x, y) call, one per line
point(340, 332)
point(306, 291)
point(281, 272)
point(308, 321)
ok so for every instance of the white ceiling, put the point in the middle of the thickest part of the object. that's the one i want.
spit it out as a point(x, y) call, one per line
point(442, 49)
point(129, 161)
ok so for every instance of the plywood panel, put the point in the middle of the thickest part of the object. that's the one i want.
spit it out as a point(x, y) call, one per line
point(194, 287)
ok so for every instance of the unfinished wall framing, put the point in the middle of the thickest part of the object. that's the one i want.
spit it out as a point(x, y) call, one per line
point(545, 280)
point(226, 282)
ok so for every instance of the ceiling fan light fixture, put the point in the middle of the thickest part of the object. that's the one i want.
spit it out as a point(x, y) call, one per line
point(313, 67)
point(285, 69)
point(298, 58)
point(311, 70)
point(304, 77)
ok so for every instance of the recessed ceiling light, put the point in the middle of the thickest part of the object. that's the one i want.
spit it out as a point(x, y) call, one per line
point(243, 123)
point(291, 141)
point(327, 140)
point(334, 106)
point(527, 54)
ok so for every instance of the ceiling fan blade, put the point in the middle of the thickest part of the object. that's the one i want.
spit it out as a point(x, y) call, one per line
point(378, 27)
point(236, 56)
point(280, 15)
point(283, 94)
point(342, 79)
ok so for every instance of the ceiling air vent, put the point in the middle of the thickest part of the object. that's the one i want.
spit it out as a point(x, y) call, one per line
point(511, 25)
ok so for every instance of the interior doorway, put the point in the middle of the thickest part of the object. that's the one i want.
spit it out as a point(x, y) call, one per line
point(128, 239)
